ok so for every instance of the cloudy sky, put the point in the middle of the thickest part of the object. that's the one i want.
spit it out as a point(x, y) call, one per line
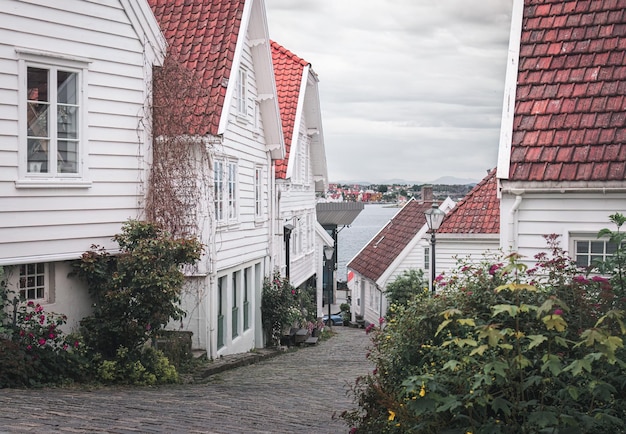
point(410, 89)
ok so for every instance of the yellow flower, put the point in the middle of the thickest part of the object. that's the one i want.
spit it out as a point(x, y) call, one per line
point(422, 391)
point(468, 432)
point(392, 415)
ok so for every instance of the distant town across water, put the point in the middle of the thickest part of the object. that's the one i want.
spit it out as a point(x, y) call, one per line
point(393, 193)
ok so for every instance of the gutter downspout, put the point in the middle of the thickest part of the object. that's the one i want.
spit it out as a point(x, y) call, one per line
point(513, 220)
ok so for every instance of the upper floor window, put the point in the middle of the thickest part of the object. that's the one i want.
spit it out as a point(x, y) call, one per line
point(258, 185)
point(225, 190)
point(53, 111)
point(242, 92)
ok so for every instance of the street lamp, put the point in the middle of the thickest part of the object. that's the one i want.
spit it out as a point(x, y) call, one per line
point(329, 251)
point(434, 218)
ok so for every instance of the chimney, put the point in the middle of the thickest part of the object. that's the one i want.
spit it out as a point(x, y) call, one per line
point(427, 193)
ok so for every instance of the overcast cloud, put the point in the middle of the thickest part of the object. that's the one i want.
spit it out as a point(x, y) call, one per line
point(409, 89)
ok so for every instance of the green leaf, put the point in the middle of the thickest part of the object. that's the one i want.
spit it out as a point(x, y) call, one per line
point(450, 313)
point(508, 308)
point(466, 322)
point(577, 366)
point(497, 367)
point(501, 404)
point(443, 325)
point(554, 322)
point(451, 365)
point(536, 340)
point(551, 363)
point(479, 350)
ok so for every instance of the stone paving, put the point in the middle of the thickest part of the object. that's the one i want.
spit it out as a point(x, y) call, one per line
point(296, 392)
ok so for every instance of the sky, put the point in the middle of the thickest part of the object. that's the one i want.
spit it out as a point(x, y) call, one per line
point(409, 89)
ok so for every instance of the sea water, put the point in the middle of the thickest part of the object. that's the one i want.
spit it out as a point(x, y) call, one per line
point(351, 239)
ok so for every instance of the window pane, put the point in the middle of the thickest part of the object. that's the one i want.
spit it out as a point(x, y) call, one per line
point(582, 260)
point(597, 247)
point(582, 247)
point(37, 84)
point(67, 122)
point(611, 248)
point(38, 119)
point(37, 156)
point(68, 157)
point(67, 87)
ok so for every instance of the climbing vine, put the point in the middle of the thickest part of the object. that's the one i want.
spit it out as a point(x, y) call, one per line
point(179, 173)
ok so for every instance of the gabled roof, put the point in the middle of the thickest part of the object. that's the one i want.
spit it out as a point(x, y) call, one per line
point(569, 122)
point(374, 259)
point(478, 212)
point(288, 72)
point(203, 34)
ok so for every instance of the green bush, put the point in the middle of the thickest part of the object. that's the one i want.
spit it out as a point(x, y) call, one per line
point(151, 368)
point(410, 284)
point(137, 292)
point(283, 305)
point(501, 349)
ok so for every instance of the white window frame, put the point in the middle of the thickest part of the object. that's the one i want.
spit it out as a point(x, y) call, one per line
point(597, 248)
point(258, 192)
point(226, 190)
point(242, 93)
point(26, 280)
point(52, 62)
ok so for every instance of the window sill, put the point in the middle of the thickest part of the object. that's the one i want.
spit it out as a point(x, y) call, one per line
point(52, 183)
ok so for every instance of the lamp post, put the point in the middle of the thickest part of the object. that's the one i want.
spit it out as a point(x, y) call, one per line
point(329, 251)
point(434, 218)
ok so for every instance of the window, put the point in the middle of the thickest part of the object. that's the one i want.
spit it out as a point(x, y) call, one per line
point(53, 111)
point(218, 190)
point(232, 190)
point(590, 251)
point(247, 278)
point(235, 316)
point(221, 282)
point(242, 93)
point(426, 258)
point(33, 280)
point(258, 184)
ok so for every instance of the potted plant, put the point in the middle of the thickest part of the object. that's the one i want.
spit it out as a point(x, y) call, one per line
point(345, 313)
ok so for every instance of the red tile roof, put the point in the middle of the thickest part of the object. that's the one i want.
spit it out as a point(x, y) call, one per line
point(385, 247)
point(570, 112)
point(288, 70)
point(478, 212)
point(203, 35)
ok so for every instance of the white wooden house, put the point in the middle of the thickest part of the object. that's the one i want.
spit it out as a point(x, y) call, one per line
point(562, 156)
point(401, 245)
point(302, 173)
point(472, 228)
point(226, 44)
point(73, 149)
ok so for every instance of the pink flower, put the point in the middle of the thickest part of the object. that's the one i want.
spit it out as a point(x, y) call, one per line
point(381, 320)
point(439, 278)
point(75, 344)
point(42, 318)
point(29, 347)
point(30, 303)
point(494, 268)
point(558, 312)
point(27, 318)
point(581, 279)
point(41, 341)
point(39, 308)
point(22, 332)
point(599, 279)
point(65, 346)
point(369, 328)
point(51, 336)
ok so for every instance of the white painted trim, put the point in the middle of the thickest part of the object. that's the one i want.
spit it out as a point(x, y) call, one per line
point(296, 127)
point(510, 89)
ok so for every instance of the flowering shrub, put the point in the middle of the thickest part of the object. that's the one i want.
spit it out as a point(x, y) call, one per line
point(283, 306)
point(47, 355)
point(502, 348)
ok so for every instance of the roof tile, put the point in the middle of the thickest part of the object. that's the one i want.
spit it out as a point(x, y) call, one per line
point(572, 80)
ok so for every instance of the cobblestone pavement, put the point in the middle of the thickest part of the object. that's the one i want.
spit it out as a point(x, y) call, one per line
point(296, 392)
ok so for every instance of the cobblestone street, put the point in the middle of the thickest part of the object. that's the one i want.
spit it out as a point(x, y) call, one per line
point(297, 392)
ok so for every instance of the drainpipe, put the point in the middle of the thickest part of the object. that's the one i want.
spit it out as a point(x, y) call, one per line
point(513, 217)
